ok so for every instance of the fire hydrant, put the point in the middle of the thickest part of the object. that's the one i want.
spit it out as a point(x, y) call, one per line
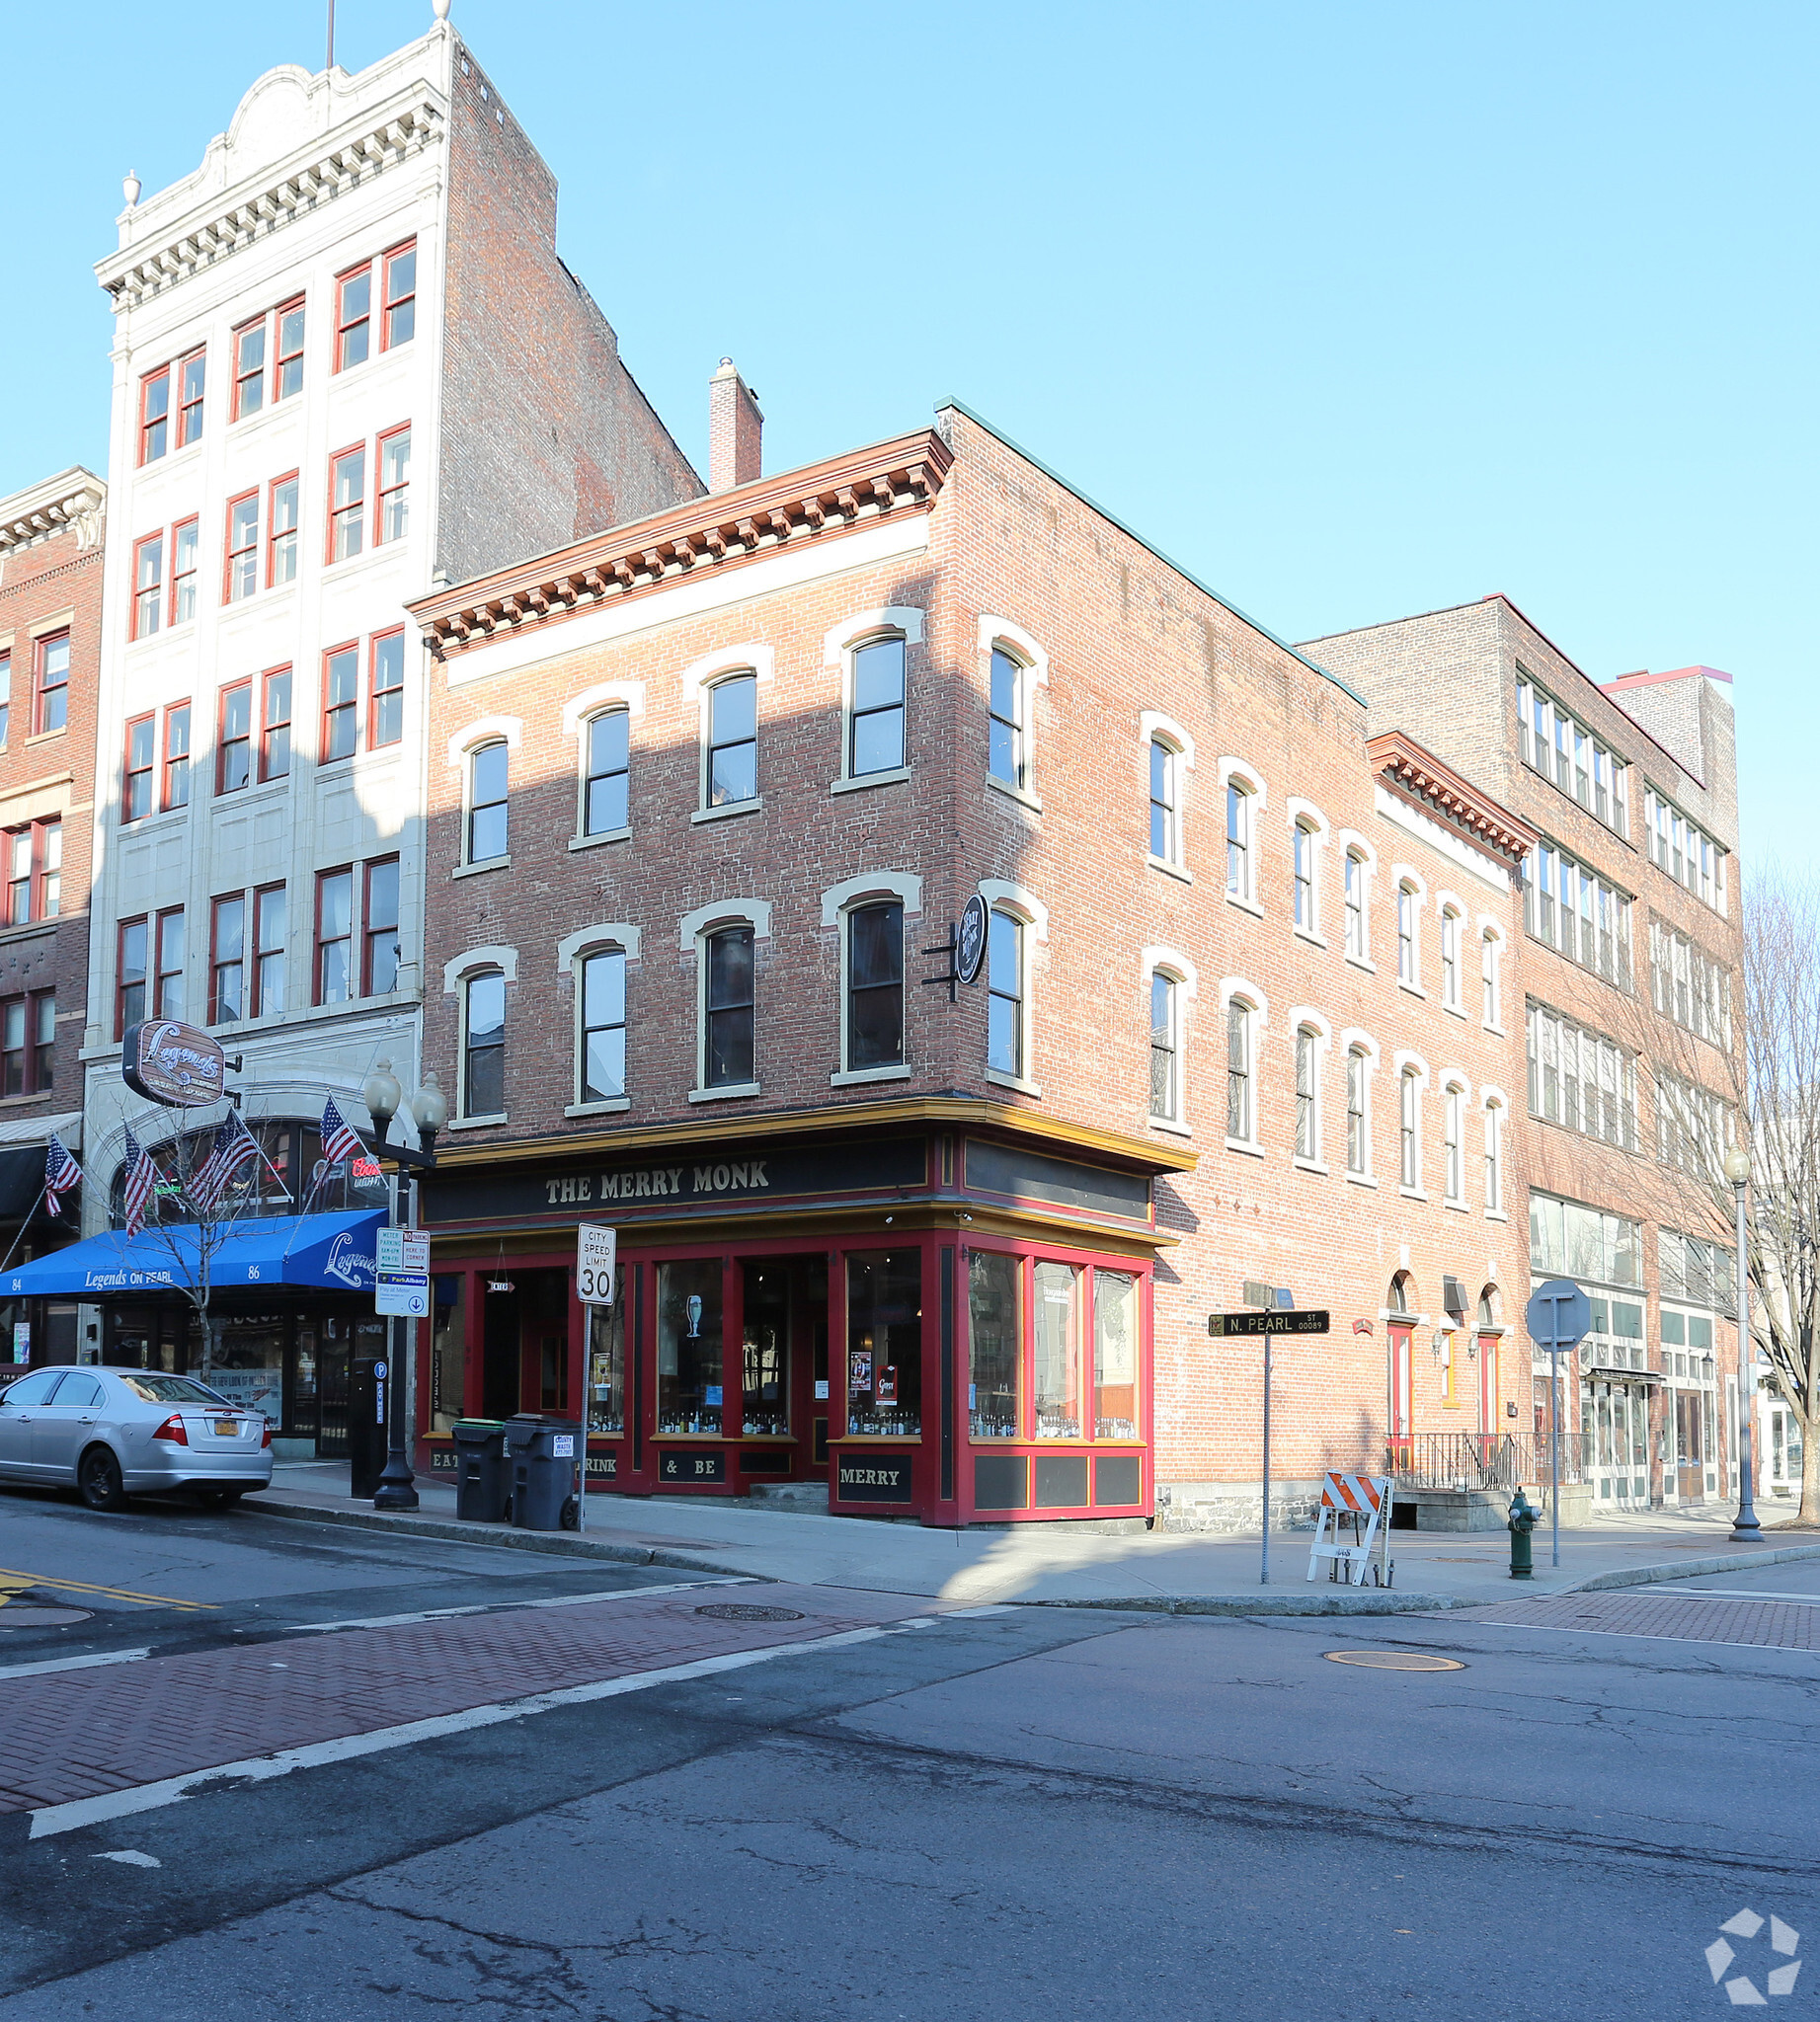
point(1524, 1518)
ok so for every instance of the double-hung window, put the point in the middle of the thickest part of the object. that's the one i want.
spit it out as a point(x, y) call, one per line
point(1453, 1133)
point(1450, 958)
point(1410, 1125)
point(281, 532)
point(1355, 905)
point(227, 968)
point(129, 975)
point(1005, 1036)
point(1239, 865)
point(354, 311)
point(1166, 836)
point(385, 724)
point(249, 369)
point(191, 372)
point(274, 726)
point(27, 1044)
point(287, 372)
point(1308, 1110)
point(1405, 935)
point(603, 1025)
point(341, 703)
point(1358, 1137)
point(733, 740)
point(147, 585)
point(1240, 1089)
point(53, 681)
point(175, 786)
point(875, 986)
point(605, 790)
point(141, 760)
point(399, 296)
point(234, 739)
point(875, 739)
point(1165, 1050)
point(270, 917)
point(379, 945)
point(242, 575)
point(1007, 754)
point(6, 692)
point(34, 871)
point(172, 957)
point(394, 486)
point(154, 415)
point(488, 835)
point(483, 1063)
point(1494, 1157)
point(185, 545)
point(1488, 976)
point(727, 1042)
point(335, 935)
point(1303, 872)
point(348, 502)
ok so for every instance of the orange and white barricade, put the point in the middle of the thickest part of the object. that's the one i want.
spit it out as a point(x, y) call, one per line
point(1362, 1502)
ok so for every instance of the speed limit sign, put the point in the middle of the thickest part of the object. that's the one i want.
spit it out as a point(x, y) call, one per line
point(594, 1264)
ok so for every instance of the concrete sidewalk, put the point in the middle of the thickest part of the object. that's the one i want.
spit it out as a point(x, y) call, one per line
point(1047, 1563)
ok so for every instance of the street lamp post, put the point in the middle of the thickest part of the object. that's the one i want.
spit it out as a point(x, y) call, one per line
point(1745, 1528)
point(381, 1093)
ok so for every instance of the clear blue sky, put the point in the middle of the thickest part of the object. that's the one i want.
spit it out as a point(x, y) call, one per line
point(1356, 311)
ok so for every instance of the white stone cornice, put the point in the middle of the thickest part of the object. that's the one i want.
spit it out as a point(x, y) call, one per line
point(71, 501)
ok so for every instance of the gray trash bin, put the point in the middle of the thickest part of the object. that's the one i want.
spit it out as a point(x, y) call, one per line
point(483, 1475)
point(543, 1457)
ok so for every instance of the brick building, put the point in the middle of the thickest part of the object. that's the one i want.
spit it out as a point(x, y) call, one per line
point(1624, 975)
point(1244, 1009)
point(50, 604)
point(349, 363)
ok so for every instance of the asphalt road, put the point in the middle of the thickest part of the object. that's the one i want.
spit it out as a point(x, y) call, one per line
point(1029, 1812)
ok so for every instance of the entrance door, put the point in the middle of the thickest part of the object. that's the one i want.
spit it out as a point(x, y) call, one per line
point(1689, 1483)
point(501, 1323)
point(1488, 1428)
point(1402, 1446)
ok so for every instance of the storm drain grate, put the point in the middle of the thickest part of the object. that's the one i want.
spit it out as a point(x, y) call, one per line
point(745, 1611)
point(1393, 1660)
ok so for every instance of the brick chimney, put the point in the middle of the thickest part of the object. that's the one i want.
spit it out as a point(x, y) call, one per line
point(734, 427)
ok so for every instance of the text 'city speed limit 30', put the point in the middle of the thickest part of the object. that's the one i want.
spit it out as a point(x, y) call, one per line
point(596, 1255)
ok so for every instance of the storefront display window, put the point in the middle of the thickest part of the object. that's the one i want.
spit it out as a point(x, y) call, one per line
point(994, 1342)
point(249, 1364)
point(764, 1351)
point(607, 1362)
point(1058, 1350)
point(449, 1361)
point(885, 1343)
point(689, 1346)
point(1115, 1356)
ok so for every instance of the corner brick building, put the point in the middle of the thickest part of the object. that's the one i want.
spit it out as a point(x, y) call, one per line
point(51, 538)
point(1245, 1010)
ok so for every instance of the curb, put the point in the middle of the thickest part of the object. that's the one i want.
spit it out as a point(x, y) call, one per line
point(558, 1543)
point(1694, 1569)
point(1356, 1604)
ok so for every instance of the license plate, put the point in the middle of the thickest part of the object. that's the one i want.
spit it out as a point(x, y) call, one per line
point(227, 1428)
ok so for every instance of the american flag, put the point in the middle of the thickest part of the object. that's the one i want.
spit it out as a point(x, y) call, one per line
point(142, 1178)
point(340, 1139)
point(234, 1146)
point(62, 1173)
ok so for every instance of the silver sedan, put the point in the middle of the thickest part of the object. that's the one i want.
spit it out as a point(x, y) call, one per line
point(110, 1433)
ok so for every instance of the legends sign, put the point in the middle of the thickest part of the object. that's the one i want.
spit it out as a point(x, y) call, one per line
point(691, 1177)
point(174, 1064)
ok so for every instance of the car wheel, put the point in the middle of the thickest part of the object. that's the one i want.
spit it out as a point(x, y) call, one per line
point(221, 1499)
point(98, 1477)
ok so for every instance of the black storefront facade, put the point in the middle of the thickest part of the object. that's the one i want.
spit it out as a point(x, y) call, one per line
point(939, 1307)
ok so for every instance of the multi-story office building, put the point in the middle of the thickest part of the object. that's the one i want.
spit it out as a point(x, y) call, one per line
point(1627, 971)
point(50, 603)
point(1240, 1006)
point(349, 363)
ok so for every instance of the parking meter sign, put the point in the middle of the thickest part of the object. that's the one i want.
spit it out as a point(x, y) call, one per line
point(597, 1253)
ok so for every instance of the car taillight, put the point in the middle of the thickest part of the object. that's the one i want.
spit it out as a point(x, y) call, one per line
point(264, 1437)
point(173, 1430)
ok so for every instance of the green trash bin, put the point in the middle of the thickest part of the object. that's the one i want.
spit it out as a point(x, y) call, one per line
point(483, 1475)
point(543, 1453)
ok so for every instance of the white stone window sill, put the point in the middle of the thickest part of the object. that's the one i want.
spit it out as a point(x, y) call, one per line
point(1244, 1144)
point(1170, 870)
point(1170, 1124)
point(858, 782)
point(728, 810)
point(487, 864)
point(1000, 1079)
point(1362, 962)
point(1496, 1215)
point(1412, 1192)
point(858, 1077)
point(726, 1094)
point(1454, 1010)
point(607, 1106)
point(1244, 904)
point(367, 558)
point(1361, 1179)
point(1498, 1029)
point(1309, 935)
point(605, 835)
point(1413, 989)
point(45, 736)
point(1312, 1165)
point(1020, 794)
point(476, 1123)
point(1459, 1207)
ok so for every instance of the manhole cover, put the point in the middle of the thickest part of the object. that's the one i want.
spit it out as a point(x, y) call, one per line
point(1393, 1660)
point(29, 1617)
point(745, 1611)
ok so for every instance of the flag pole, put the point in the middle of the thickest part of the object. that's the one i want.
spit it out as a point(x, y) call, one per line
point(22, 1226)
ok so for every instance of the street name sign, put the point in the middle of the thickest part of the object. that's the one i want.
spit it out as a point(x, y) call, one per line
point(401, 1279)
point(1279, 1322)
point(596, 1255)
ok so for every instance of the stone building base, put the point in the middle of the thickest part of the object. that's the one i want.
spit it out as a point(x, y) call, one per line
point(1235, 1506)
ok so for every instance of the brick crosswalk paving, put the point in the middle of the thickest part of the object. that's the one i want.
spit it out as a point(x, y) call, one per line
point(79, 1734)
point(1680, 1617)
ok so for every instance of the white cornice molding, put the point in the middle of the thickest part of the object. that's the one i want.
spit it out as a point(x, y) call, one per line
point(331, 165)
point(73, 499)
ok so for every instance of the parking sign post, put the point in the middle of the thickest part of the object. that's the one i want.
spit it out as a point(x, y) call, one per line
point(596, 1259)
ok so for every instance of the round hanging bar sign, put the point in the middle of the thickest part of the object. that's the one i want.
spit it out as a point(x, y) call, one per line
point(970, 942)
point(173, 1064)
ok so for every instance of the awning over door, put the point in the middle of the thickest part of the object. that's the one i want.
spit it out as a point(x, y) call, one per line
point(331, 1252)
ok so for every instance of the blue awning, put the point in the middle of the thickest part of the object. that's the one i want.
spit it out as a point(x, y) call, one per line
point(329, 1252)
